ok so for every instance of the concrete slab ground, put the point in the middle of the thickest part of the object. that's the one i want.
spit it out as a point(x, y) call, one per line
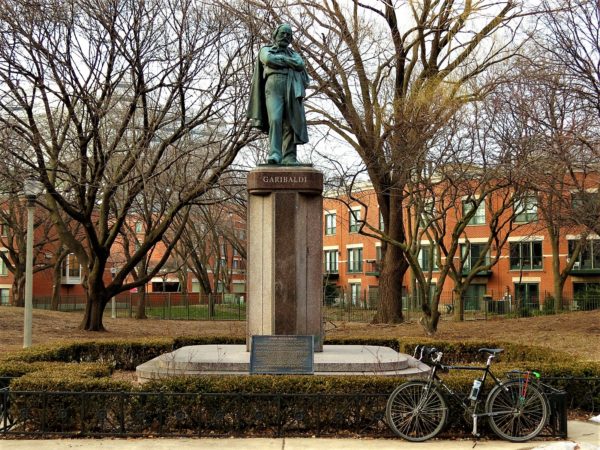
point(582, 436)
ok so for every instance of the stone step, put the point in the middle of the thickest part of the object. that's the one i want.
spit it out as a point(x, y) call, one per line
point(235, 360)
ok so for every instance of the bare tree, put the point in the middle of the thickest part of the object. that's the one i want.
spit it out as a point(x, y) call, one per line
point(13, 226)
point(387, 75)
point(117, 97)
point(541, 122)
point(571, 45)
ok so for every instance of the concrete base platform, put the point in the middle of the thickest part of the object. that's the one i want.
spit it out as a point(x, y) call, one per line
point(235, 360)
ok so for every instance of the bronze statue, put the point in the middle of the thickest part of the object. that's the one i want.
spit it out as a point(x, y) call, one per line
point(276, 100)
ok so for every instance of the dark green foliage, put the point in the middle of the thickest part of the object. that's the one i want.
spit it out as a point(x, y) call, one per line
point(214, 405)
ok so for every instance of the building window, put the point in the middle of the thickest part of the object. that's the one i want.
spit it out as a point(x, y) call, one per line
point(71, 267)
point(427, 214)
point(589, 256)
point(470, 254)
point(381, 223)
point(526, 209)
point(4, 296)
point(3, 268)
point(355, 262)
point(354, 293)
point(331, 261)
point(427, 258)
point(474, 297)
point(354, 220)
point(330, 223)
point(378, 254)
point(139, 227)
point(3, 229)
point(479, 216)
point(585, 201)
point(526, 255)
point(235, 264)
point(527, 295)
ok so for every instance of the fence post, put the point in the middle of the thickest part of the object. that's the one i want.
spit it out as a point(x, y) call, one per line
point(187, 305)
point(169, 304)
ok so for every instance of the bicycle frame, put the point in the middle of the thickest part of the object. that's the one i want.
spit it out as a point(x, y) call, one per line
point(473, 408)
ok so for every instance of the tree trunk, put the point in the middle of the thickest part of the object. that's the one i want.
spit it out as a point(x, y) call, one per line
point(141, 309)
point(459, 305)
point(429, 321)
point(18, 288)
point(55, 301)
point(390, 286)
point(61, 254)
point(94, 308)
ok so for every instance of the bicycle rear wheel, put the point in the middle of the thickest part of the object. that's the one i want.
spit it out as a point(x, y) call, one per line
point(517, 411)
point(416, 411)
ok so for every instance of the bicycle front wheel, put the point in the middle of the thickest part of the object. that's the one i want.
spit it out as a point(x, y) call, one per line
point(517, 412)
point(416, 411)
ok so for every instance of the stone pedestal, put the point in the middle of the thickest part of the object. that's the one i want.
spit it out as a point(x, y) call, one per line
point(285, 246)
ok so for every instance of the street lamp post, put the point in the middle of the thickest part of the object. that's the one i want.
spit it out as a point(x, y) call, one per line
point(31, 189)
point(113, 306)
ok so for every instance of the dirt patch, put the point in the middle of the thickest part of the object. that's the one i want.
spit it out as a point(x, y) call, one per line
point(576, 332)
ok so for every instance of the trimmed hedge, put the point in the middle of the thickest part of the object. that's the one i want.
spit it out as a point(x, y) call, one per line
point(69, 367)
point(192, 403)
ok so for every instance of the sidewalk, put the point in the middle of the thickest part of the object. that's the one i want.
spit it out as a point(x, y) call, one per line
point(582, 436)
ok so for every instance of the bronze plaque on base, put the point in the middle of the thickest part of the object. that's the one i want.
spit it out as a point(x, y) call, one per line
point(282, 355)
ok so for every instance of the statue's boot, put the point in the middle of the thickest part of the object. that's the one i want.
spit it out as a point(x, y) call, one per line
point(274, 158)
point(289, 159)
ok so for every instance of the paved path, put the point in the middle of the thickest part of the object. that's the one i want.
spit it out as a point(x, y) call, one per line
point(582, 436)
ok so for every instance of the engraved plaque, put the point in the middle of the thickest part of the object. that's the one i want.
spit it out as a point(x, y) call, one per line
point(282, 355)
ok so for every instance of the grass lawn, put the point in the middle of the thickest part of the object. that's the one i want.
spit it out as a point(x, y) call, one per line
point(575, 332)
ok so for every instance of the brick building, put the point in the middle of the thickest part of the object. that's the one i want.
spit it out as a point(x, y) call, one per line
point(523, 271)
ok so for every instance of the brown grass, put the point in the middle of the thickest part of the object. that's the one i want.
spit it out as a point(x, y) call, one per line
point(577, 332)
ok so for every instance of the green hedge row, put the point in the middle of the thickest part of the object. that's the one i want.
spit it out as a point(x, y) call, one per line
point(189, 403)
point(88, 365)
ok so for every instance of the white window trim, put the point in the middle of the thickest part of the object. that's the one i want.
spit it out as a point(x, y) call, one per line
point(482, 240)
point(331, 247)
point(525, 238)
point(350, 246)
point(526, 280)
point(576, 237)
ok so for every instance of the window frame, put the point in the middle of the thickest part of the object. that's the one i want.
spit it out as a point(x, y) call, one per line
point(355, 260)
point(327, 261)
point(480, 212)
point(432, 254)
point(526, 208)
point(354, 219)
point(330, 228)
point(531, 256)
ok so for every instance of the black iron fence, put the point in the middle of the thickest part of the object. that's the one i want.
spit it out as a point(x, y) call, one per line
point(135, 414)
point(138, 414)
point(194, 306)
point(162, 305)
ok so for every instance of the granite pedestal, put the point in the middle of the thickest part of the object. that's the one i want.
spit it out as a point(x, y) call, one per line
point(285, 245)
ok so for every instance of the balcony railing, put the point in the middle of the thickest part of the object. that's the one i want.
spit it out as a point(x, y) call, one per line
point(471, 262)
point(373, 268)
point(587, 268)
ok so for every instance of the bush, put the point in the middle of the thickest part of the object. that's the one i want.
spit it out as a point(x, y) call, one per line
point(219, 404)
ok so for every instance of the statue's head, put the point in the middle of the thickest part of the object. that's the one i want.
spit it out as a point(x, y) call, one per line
point(282, 36)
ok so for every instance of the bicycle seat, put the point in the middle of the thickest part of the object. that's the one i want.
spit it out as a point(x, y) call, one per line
point(493, 351)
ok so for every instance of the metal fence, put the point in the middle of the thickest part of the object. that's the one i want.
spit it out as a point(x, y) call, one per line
point(136, 414)
point(194, 306)
point(162, 305)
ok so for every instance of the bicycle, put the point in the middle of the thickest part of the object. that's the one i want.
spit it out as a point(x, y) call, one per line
point(6, 421)
point(517, 410)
